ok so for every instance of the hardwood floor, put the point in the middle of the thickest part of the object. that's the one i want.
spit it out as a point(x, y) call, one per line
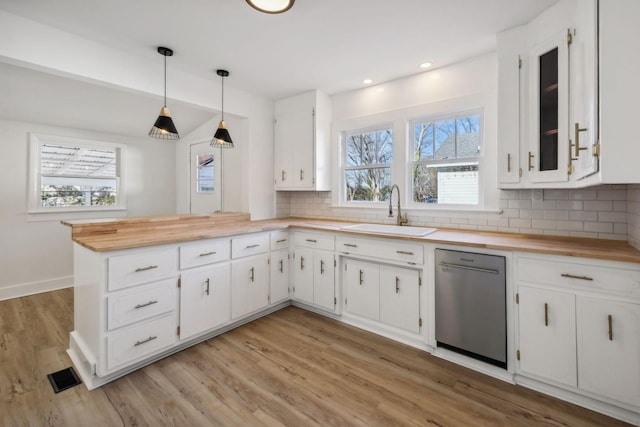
point(292, 368)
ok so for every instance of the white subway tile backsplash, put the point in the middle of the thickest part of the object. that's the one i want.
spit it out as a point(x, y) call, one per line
point(606, 212)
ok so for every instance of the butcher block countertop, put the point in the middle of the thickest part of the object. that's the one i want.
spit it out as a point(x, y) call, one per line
point(127, 233)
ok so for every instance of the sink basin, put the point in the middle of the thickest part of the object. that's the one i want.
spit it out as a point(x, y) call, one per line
point(394, 230)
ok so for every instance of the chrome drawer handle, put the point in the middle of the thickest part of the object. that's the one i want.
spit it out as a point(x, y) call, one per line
point(145, 341)
point(151, 267)
point(147, 304)
point(281, 241)
point(351, 245)
point(404, 253)
point(312, 240)
point(571, 276)
point(208, 253)
point(252, 246)
point(466, 267)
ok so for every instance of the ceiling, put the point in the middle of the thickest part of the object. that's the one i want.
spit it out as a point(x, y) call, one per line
point(331, 45)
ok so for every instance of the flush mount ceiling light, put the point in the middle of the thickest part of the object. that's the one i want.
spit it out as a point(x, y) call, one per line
point(426, 65)
point(271, 6)
point(164, 128)
point(222, 139)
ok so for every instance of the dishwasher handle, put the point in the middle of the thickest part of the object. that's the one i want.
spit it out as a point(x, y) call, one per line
point(466, 267)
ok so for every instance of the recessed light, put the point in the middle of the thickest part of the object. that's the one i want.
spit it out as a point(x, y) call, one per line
point(426, 65)
point(367, 81)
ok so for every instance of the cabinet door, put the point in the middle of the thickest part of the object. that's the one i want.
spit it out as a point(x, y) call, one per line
point(279, 276)
point(303, 152)
point(549, 110)
point(509, 101)
point(250, 285)
point(205, 300)
point(547, 334)
point(324, 280)
point(400, 298)
point(362, 283)
point(283, 153)
point(583, 107)
point(609, 349)
point(303, 275)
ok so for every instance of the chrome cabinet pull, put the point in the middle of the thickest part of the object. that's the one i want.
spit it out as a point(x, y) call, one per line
point(546, 314)
point(207, 290)
point(151, 267)
point(577, 130)
point(531, 156)
point(301, 175)
point(283, 176)
point(301, 263)
point(361, 274)
point(281, 266)
point(208, 253)
point(145, 341)
point(404, 253)
point(252, 246)
point(351, 245)
point(610, 319)
point(146, 304)
point(571, 276)
point(397, 284)
point(466, 267)
point(312, 240)
point(321, 267)
point(252, 274)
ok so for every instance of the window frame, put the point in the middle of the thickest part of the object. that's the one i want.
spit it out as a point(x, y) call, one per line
point(410, 163)
point(344, 134)
point(36, 141)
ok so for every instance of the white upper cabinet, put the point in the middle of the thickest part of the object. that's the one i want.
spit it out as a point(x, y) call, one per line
point(302, 142)
point(566, 95)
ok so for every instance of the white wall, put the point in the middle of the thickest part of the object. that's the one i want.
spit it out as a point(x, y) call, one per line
point(37, 255)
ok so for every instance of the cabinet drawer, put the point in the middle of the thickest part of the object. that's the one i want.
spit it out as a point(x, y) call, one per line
point(141, 303)
point(251, 244)
point(131, 344)
point(314, 240)
point(279, 240)
point(390, 250)
point(579, 275)
point(141, 267)
point(203, 253)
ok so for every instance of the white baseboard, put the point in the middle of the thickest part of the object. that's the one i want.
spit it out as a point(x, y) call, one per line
point(25, 289)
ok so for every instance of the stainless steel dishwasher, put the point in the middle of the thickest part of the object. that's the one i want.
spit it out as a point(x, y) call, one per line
point(470, 305)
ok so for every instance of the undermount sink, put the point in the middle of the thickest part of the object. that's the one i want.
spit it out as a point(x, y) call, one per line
point(395, 230)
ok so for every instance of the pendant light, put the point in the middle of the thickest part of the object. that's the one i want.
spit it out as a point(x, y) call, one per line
point(164, 128)
point(271, 6)
point(222, 139)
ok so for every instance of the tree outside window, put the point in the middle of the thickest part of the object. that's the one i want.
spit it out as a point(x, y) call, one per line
point(368, 158)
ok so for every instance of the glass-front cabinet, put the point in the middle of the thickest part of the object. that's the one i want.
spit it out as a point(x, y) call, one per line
point(549, 110)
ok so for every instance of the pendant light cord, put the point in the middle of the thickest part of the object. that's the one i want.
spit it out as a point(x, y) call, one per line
point(223, 98)
point(165, 80)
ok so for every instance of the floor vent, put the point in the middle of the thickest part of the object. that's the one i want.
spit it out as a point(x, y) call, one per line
point(63, 379)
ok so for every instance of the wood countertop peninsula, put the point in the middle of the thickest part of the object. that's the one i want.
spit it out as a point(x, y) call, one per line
point(127, 233)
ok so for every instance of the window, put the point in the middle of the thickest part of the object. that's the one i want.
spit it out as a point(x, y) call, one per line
point(205, 173)
point(74, 175)
point(368, 155)
point(445, 159)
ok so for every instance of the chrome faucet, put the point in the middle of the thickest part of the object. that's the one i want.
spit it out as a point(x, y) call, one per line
point(401, 219)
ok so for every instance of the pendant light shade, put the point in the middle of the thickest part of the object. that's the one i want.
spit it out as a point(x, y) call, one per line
point(164, 128)
point(222, 139)
point(271, 6)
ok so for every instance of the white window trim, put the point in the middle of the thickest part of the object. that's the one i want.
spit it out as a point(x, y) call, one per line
point(343, 162)
point(488, 195)
point(411, 204)
point(38, 213)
